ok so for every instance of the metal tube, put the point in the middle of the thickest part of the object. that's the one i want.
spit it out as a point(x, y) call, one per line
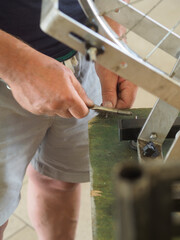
point(132, 188)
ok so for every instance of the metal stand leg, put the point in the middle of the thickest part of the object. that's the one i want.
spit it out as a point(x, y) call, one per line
point(144, 201)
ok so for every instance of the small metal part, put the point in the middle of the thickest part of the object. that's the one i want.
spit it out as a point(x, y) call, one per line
point(8, 87)
point(91, 54)
point(150, 150)
point(153, 136)
point(111, 110)
point(159, 122)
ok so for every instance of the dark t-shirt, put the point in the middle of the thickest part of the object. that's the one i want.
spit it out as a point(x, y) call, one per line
point(21, 18)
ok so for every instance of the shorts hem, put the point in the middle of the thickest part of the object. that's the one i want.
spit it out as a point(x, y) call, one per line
point(5, 215)
point(71, 177)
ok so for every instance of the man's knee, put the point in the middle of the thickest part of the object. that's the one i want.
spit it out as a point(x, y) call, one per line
point(46, 183)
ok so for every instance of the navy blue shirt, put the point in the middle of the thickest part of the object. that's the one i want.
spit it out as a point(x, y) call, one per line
point(21, 18)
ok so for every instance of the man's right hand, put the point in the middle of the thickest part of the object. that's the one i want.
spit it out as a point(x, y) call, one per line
point(48, 87)
point(40, 84)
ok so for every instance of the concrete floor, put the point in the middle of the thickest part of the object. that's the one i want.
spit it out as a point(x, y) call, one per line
point(19, 226)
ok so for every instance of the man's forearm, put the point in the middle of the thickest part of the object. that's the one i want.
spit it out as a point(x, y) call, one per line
point(14, 55)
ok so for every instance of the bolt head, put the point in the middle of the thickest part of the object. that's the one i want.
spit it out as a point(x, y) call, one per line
point(153, 136)
point(150, 150)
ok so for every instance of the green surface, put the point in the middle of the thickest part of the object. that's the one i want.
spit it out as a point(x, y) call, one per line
point(105, 151)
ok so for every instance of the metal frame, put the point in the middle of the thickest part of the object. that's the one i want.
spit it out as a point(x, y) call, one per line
point(127, 15)
point(69, 31)
point(155, 124)
point(156, 128)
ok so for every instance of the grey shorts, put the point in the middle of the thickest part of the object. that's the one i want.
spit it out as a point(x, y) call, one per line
point(55, 146)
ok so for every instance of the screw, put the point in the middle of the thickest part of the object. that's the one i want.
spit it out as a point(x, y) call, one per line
point(153, 136)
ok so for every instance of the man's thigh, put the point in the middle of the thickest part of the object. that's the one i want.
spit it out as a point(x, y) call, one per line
point(63, 154)
point(20, 135)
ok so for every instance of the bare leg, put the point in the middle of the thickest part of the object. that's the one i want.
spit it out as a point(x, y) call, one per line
point(2, 228)
point(53, 206)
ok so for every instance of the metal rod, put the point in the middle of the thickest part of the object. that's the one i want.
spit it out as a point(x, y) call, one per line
point(110, 110)
point(133, 201)
point(176, 65)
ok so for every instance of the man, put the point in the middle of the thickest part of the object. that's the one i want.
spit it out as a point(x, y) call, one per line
point(44, 118)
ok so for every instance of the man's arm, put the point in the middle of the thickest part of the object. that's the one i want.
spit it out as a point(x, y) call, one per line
point(39, 83)
point(116, 91)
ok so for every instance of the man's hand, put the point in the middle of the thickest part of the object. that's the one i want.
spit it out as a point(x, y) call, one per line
point(50, 88)
point(116, 91)
point(40, 84)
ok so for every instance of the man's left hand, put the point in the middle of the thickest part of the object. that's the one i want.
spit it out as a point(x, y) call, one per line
point(116, 91)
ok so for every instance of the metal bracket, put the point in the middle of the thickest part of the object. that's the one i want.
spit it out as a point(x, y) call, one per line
point(155, 129)
point(129, 129)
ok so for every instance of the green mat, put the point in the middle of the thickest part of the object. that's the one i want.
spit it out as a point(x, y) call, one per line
point(105, 151)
